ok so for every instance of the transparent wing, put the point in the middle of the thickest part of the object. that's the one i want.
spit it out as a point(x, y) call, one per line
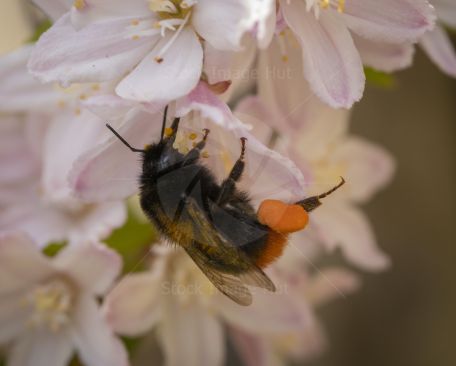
point(251, 274)
point(226, 283)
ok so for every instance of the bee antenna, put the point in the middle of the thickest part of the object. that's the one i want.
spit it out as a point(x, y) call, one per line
point(165, 116)
point(323, 195)
point(123, 140)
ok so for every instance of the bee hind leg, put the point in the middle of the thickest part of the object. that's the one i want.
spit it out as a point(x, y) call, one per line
point(229, 184)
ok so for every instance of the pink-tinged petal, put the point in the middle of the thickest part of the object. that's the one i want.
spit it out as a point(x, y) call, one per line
point(283, 88)
point(163, 78)
point(94, 267)
point(329, 284)
point(18, 161)
point(269, 312)
point(217, 64)
point(94, 340)
point(110, 171)
point(41, 348)
point(220, 22)
point(104, 10)
point(196, 333)
point(203, 100)
point(446, 11)
point(392, 21)
point(19, 91)
point(369, 167)
point(47, 223)
point(133, 306)
point(267, 20)
point(438, 46)
point(68, 137)
point(387, 57)
point(253, 349)
point(21, 263)
point(53, 8)
point(99, 52)
point(344, 226)
point(109, 107)
point(13, 317)
point(331, 62)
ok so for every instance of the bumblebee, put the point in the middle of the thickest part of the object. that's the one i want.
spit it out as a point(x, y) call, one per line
point(215, 223)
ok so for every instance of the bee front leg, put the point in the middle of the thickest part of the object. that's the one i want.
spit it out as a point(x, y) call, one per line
point(229, 184)
point(194, 153)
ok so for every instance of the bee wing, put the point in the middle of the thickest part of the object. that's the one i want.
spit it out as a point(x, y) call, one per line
point(253, 275)
point(226, 283)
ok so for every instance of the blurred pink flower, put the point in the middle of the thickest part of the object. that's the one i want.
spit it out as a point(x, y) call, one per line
point(331, 61)
point(153, 46)
point(49, 307)
point(315, 137)
point(44, 130)
point(437, 43)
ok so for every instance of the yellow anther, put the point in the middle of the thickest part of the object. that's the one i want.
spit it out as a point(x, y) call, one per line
point(95, 87)
point(285, 58)
point(135, 22)
point(341, 6)
point(168, 131)
point(79, 4)
point(325, 4)
point(83, 97)
point(158, 60)
point(192, 136)
point(77, 111)
point(135, 37)
point(205, 154)
point(61, 103)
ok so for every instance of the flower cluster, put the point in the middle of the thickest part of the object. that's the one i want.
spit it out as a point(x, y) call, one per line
point(283, 74)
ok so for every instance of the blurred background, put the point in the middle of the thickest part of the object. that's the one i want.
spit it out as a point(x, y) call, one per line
point(405, 316)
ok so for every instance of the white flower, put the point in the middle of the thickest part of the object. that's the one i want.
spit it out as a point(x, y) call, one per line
point(436, 43)
point(154, 46)
point(48, 307)
point(331, 61)
point(177, 300)
point(44, 130)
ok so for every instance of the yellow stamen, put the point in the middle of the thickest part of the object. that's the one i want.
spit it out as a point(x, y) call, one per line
point(192, 136)
point(205, 154)
point(135, 22)
point(79, 4)
point(168, 131)
point(341, 6)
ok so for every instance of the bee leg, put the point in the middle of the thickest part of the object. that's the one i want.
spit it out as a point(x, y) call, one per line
point(194, 153)
point(229, 184)
point(171, 132)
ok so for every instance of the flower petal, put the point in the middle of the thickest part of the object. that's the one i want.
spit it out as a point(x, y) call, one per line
point(387, 57)
point(102, 10)
point(194, 332)
point(13, 317)
point(392, 21)
point(331, 62)
point(95, 342)
point(110, 171)
point(344, 226)
point(133, 306)
point(94, 267)
point(21, 263)
point(438, 46)
point(165, 78)
point(41, 348)
point(252, 348)
point(220, 22)
point(19, 91)
point(329, 284)
point(369, 167)
point(99, 52)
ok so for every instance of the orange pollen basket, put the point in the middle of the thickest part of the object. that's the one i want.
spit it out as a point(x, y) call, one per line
point(281, 217)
